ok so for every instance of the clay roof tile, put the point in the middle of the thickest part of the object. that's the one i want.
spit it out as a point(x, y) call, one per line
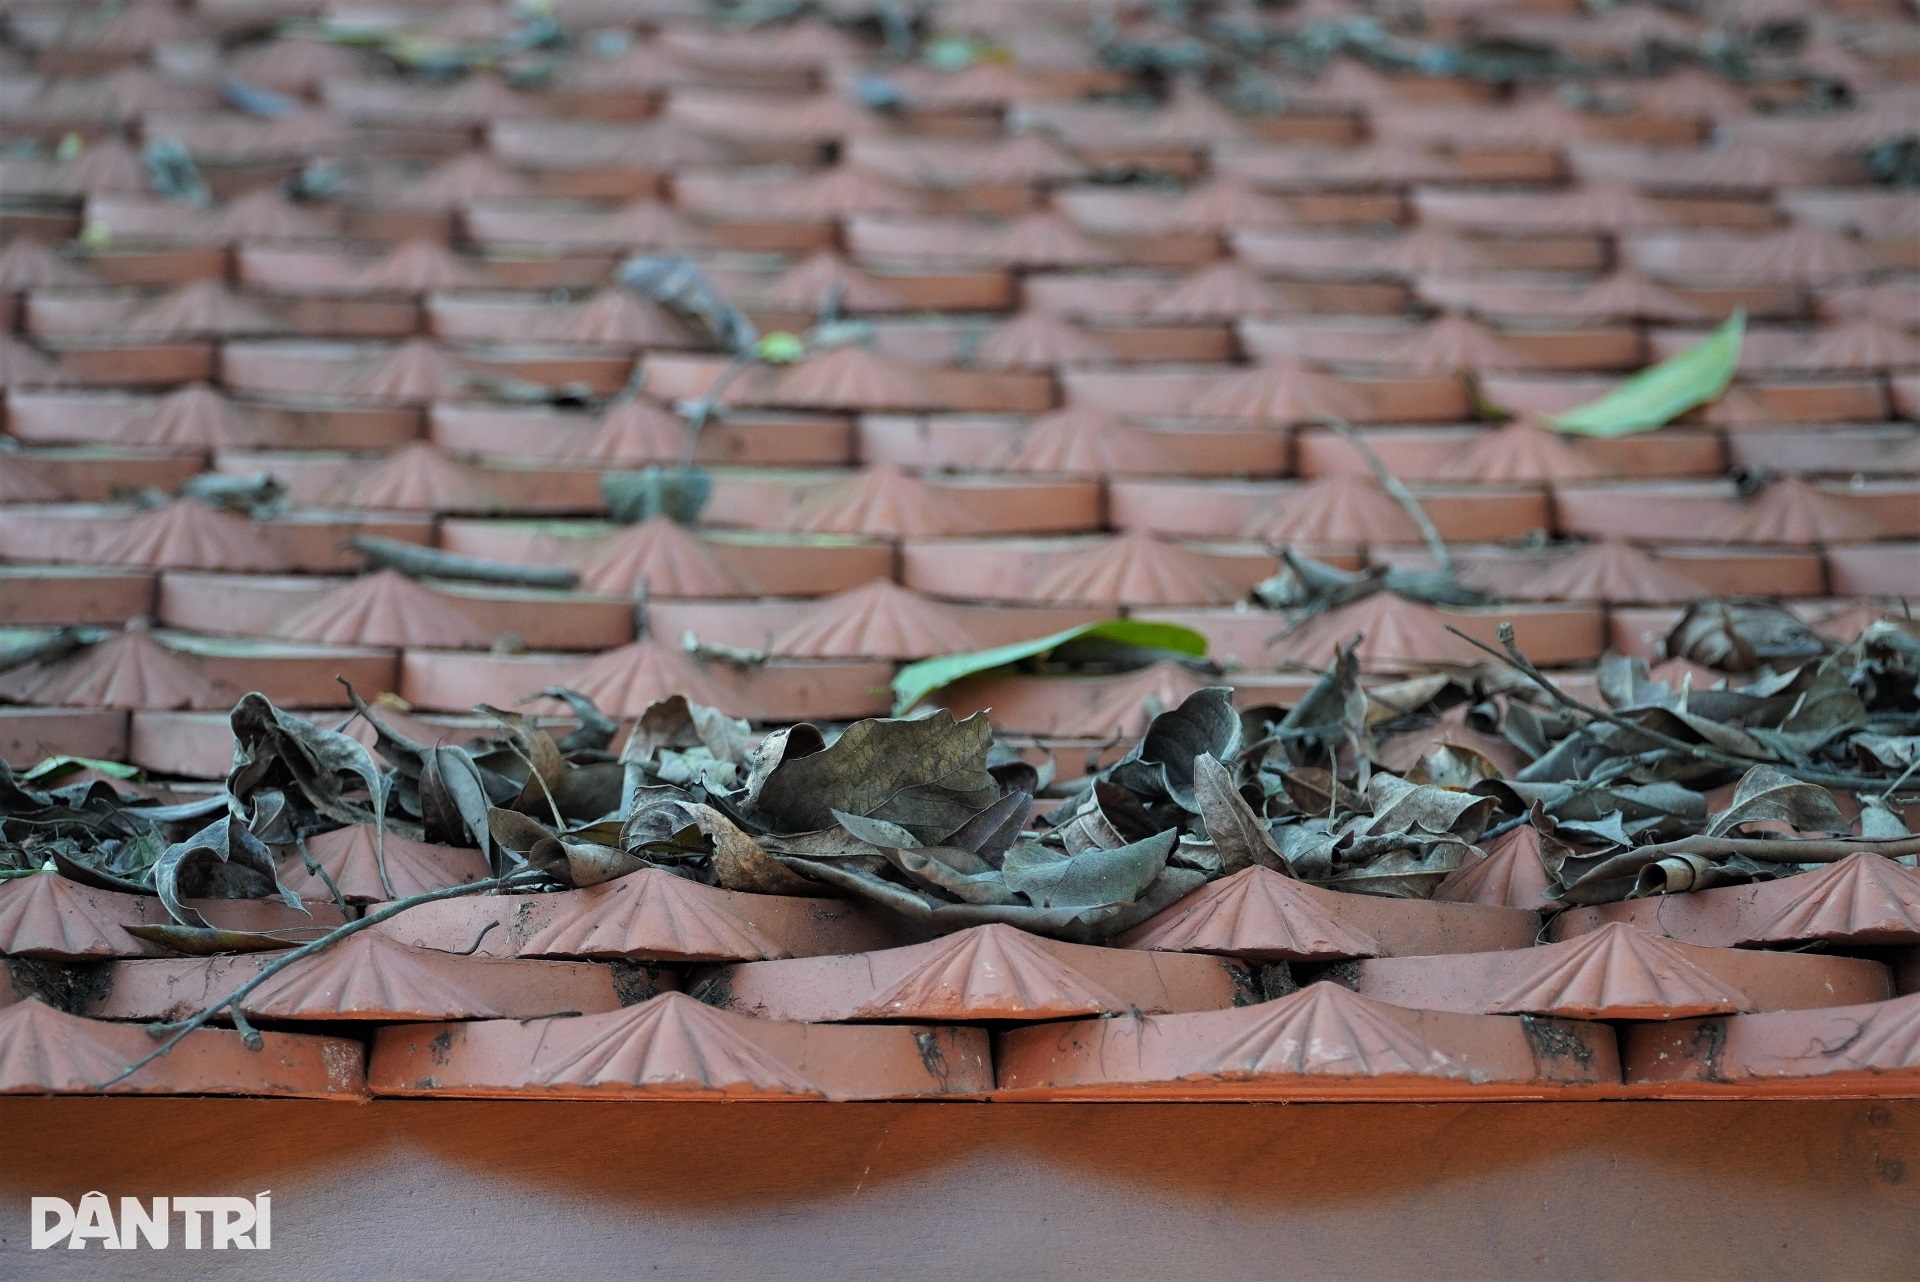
point(265, 214)
point(419, 266)
point(1326, 1030)
point(1617, 972)
point(621, 318)
point(1508, 875)
point(1866, 345)
point(654, 914)
point(413, 373)
point(1047, 240)
point(1126, 705)
point(1286, 391)
point(1790, 511)
point(105, 168)
point(809, 286)
point(1136, 569)
point(42, 1049)
point(637, 431)
point(1864, 898)
point(195, 416)
point(879, 620)
point(1257, 914)
point(51, 917)
point(351, 860)
point(1397, 635)
point(1455, 344)
point(188, 535)
point(127, 670)
point(203, 308)
point(1523, 452)
point(1224, 291)
point(851, 378)
point(625, 682)
point(418, 478)
point(674, 561)
point(372, 977)
point(1087, 441)
point(1226, 204)
point(990, 972)
point(384, 608)
point(1039, 340)
point(1339, 509)
point(24, 366)
point(670, 1042)
point(1627, 295)
point(885, 503)
point(27, 264)
point(1612, 572)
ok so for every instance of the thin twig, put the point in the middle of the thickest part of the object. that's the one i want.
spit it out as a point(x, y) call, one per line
point(181, 1029)
point(1514, 658)
point(1780, 850)
point(1393, 485)
point(701, 410)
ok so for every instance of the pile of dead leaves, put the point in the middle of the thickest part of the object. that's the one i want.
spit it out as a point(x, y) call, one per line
point(1761, 748)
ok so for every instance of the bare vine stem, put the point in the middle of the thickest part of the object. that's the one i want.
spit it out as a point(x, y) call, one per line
point(176, 1032)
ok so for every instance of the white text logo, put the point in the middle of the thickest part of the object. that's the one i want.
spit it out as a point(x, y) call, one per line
point(244, 1224)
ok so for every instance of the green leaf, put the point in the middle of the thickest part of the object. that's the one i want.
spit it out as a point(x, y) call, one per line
point(780, 348)
point(918, 680)
point(52, 769)
point(1656, 396)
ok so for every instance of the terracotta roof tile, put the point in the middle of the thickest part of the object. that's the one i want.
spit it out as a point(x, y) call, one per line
point(127, 670)
point(627, 681)
point(1337, 509)
point(202, 308)
point(673, 562)
point(1394, 634)
point(881, 620)
point(415, 268)
point(49, 916)
point(413, 373)
point(1790, 511)
point(1523, 453)
point(809, 285)
point(1454, 344)
point(384, 608)
point(1257, 914)
point(195, 416)
point(884, 502)
point(1610, 571)
point(1618, 972)
point(419, 478)
point(27, 264)
point(851, 378)
point(1509, 875)
point(1039, 340)
point(365, 867)
point(1136, 569)
point(1284, 392)
point(1225, 291)
point(653, 914)
point(1087, 442)
point(189, 535)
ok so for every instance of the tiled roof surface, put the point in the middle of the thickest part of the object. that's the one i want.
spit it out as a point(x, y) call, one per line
point(327, 363)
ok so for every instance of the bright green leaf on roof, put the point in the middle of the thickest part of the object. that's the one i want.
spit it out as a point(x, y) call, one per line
point(53, 769)
point(780, 348)
point(1657, 395)
point(1088, 641)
